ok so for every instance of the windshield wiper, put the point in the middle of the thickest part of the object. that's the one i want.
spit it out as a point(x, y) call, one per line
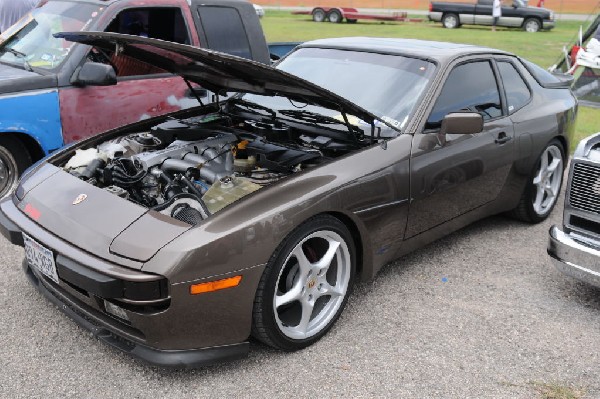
point(253, 107)
point(319, 119)
point(311, 117)
point(20, 55)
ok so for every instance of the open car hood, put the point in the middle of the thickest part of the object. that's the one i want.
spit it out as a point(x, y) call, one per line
point(218, 71)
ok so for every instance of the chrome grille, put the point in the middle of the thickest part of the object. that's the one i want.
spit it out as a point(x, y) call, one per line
point(585, 188)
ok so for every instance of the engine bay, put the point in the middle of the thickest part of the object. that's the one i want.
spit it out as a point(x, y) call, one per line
point(191, 168)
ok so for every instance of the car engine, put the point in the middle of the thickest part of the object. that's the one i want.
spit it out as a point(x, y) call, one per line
point(192, 168)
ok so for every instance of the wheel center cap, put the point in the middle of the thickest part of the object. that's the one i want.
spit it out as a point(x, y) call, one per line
point(311, 284)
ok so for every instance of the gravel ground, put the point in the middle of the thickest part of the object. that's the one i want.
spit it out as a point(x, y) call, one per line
point(479, 314)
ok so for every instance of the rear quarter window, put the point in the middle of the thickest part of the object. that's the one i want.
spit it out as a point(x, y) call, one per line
point(543, 77)
point(224, 30)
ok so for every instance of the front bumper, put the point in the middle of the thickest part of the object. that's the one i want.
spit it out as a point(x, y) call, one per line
point(575, 256)
point(157, 357)
point(182, 335)
point(548, 24)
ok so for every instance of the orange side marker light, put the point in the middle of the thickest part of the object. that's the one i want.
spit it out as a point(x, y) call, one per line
point(215, 285)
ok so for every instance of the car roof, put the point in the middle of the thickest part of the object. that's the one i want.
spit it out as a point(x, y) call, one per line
point(432, 50)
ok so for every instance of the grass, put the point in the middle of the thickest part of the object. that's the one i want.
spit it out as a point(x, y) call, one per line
point(543, 48)
point(588, 122)
point(558, 391)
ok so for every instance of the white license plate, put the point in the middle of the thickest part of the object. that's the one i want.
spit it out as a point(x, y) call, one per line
point(40, 257)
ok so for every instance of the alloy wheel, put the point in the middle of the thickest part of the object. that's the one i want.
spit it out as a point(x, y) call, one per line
point(312, 284)
point(547, 181)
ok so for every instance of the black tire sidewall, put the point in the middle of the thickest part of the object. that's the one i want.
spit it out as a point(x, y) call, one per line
point(273, 269)
point(20, 156)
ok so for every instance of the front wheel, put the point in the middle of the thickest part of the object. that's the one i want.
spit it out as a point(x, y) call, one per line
point(543, 188)
point(14, 159)
point(532, 25)
point(305, 285)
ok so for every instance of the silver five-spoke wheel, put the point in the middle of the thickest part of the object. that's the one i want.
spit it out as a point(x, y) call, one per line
point(543, 188)
point(305, 284)
point(548, 180)
point(312, 284)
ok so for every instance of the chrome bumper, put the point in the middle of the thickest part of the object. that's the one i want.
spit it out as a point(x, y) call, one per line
point(435, 16)
point(575, 257)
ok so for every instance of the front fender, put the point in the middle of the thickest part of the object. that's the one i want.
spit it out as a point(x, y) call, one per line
point(36, 114)
point(248, 232)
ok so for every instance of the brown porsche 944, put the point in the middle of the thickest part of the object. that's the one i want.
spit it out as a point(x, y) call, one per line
point(178, 238)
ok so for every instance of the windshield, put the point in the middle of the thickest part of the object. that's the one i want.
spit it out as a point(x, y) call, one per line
point(32, 35)
point(388, 86)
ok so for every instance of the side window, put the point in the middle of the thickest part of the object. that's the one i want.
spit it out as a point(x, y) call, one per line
point(224, 30)
point(469, 87)
point(165, 23)
point(517, 92)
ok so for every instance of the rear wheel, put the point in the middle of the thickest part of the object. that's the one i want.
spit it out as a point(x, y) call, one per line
point(318, 15)
point(532, 25)
point(14, 159)
point(450, 21)
point(335, 16)
point(543, 188)
point(305, 285)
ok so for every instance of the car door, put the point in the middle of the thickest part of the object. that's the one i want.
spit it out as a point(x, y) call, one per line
point(512, 16)
point(452, 174)
point(483, 12)
point(142, 91)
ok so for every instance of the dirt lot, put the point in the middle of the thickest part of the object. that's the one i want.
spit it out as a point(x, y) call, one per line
point(479, 314)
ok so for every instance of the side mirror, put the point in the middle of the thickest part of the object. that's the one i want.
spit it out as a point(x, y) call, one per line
point(462, 123)
point(94, 74)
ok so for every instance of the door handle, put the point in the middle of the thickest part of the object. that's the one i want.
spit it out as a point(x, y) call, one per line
point(503, 138)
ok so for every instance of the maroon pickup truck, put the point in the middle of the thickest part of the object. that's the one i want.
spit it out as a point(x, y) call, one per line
point(518, 15)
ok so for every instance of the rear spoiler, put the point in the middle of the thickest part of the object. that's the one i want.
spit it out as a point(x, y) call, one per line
point(548, 80)
point(565, 80)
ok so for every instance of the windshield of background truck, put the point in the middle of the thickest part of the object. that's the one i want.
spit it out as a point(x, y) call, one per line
point(388, 86)
point(32, 35)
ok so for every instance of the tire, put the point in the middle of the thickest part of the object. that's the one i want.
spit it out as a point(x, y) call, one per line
point(532, 25)
point(298, 301)
point(543, 187)
point(450, 21)
point(14, 159)
point(318, 15)
point(335, 16)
